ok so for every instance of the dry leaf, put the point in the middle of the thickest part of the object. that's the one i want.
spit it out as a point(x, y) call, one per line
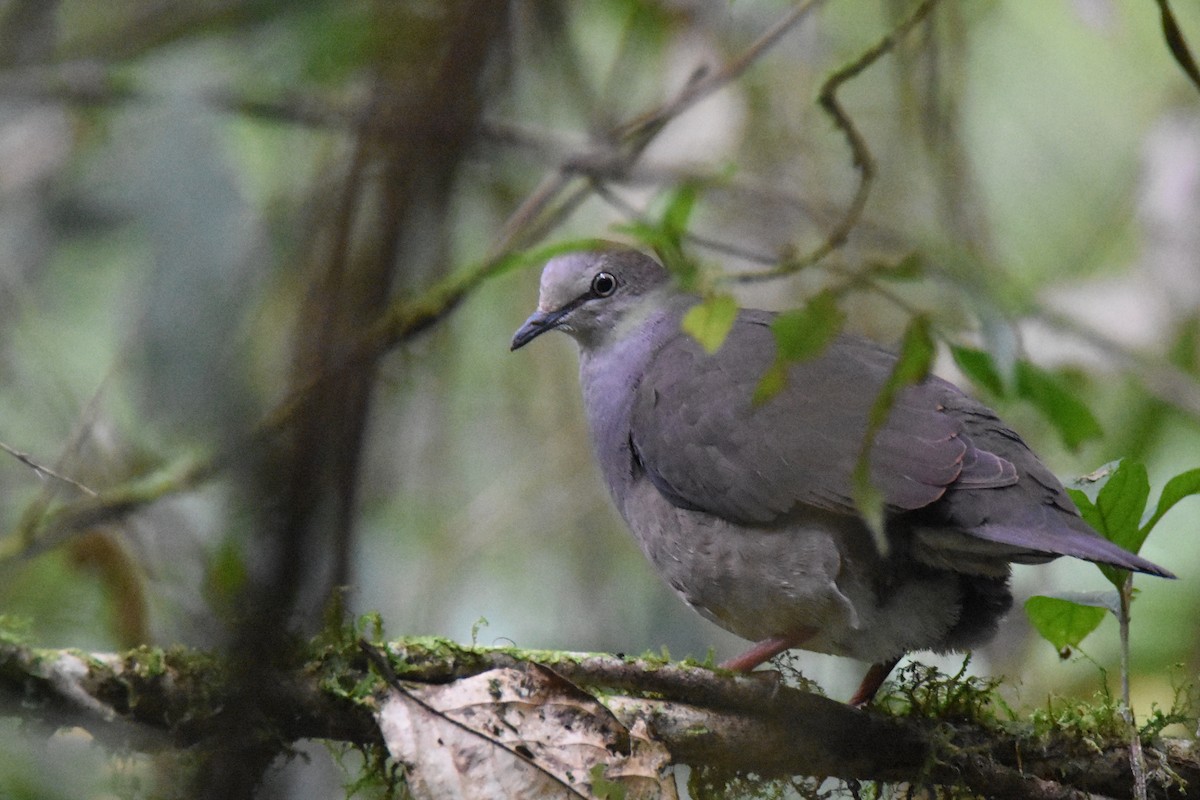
point(519, 733)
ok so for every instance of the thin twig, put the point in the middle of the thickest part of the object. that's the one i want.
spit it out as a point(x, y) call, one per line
point(538, 213)
point(43, 471)
point(1177, 44)
point(640, 131)
point(1137, 760)
point(109, 505)
point(705, 84)
point(716, 245)
point(860, 152)
point(35, 512)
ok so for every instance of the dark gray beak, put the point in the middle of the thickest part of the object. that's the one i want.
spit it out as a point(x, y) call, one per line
point(538, 323)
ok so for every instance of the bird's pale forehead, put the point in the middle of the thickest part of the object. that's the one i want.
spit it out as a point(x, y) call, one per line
point(565, 278)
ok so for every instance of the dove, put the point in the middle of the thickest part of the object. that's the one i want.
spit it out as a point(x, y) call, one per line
point(746, 506)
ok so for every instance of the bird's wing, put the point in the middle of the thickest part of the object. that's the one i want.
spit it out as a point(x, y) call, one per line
point(1031, 520)
point(707, 445)
point(975, 490)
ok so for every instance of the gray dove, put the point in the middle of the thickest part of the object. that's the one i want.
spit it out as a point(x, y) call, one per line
point(745, 508)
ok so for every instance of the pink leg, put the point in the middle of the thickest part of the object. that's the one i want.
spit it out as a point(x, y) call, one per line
point(766, 650)
point(872, 681)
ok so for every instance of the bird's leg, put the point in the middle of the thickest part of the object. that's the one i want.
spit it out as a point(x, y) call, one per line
point(766, 650)
point(872, 681)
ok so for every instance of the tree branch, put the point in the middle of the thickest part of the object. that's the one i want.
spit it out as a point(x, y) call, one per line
point(149, 699)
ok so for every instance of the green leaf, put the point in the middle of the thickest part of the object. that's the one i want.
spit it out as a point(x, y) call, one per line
point(979, 367)
point(665, 236)
point(228, 574)
point(1072, 419)
point(685, 270)
point(771, 383)
point(650, 235)
point(871, 505)
point(1087, 509)
point(1185, 484)
point(665, 245)
point(805, 332)
point(334, 45)
point(680, 204)
point(710, 320)
point(799, 335)
point(1120, 490)
point(1121, 504)
point(917, 350)
point(1063, 623)
point(908, 268)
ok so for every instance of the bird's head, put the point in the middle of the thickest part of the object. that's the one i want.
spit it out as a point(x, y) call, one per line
point(594, 295)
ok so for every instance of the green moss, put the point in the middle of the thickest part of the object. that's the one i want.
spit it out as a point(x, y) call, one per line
point(1184, 710)
point(342, 669)
point(794, 677)
point(1091, 722)
point(15, 630)
point(370, 773)
point(921, 691)
point(147, 662)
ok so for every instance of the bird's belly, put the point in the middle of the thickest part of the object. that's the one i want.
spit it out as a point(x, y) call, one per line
point(811, 575)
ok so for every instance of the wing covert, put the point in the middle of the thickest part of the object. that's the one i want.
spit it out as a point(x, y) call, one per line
point(707, 446)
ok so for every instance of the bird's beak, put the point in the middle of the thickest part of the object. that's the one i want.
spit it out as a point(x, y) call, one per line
point(538, 323)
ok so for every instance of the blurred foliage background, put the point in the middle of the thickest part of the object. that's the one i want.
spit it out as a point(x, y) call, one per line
point(257, 286)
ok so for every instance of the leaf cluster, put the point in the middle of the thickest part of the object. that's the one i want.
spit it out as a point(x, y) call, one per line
point(1114, 501)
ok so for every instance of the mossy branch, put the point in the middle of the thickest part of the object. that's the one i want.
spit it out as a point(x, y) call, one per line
point(719, 723)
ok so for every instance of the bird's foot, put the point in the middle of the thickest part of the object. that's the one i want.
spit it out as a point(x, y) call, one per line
point(872, 681)
point(766, 650)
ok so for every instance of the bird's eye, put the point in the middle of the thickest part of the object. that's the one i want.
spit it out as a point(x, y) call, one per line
point(604, 284)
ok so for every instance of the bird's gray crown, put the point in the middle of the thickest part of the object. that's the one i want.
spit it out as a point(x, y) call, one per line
point(570, 276)
point(595, 295)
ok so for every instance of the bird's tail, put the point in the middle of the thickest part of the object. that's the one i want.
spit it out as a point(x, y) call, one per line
point(1078, 542)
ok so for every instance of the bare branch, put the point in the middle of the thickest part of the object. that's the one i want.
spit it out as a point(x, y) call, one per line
point(643, 128)
point(43, 471)
point(108, 505)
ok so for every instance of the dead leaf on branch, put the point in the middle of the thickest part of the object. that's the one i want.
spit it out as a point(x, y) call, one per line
point(519, 733)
